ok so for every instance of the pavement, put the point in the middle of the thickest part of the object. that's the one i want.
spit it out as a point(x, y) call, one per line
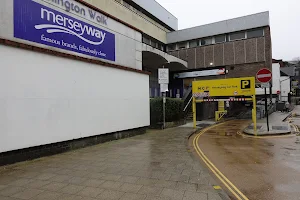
point(199, 124)
point(277, 126)
point(295, 118)
point(155, 166)
point(265, 168)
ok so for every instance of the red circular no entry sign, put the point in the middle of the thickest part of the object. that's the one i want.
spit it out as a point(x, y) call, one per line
point(264, 75)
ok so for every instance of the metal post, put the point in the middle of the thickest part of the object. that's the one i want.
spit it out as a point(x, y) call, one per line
point(271, 94)
point(266, 108)
point(164, 109)
point(254, 114)
point(194, 113)
point(280, 91)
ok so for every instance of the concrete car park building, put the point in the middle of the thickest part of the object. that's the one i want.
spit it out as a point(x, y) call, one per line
point(80, 72)
point(241, 46)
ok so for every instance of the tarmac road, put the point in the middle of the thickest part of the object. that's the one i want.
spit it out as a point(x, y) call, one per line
point(261, 168)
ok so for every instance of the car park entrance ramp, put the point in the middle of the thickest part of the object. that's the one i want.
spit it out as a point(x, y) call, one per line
point(224, 90)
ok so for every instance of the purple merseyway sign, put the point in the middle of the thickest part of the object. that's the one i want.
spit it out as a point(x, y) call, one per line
point(37, 23)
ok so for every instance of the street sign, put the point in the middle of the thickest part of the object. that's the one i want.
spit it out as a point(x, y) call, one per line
point(265, 85)
point(163, 80)
point(163, 75)
point(264, 75)
point(194, 74)
point(164, 87)
point(244, 86)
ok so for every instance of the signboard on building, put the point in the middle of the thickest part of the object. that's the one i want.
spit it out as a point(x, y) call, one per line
point(38, 23)
point(212, 72)
point(225, 87)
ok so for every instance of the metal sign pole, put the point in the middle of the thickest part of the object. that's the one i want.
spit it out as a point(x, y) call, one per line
point(163, 80)
point(164, 109)
point(266, 108)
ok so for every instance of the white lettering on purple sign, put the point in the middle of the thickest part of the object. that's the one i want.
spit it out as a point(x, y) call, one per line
point(66, 25)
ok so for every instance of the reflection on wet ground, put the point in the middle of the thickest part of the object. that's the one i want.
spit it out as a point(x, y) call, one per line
point(267, 168)
point(156, 165)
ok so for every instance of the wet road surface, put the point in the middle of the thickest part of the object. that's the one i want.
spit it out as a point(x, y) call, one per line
point(263, 169)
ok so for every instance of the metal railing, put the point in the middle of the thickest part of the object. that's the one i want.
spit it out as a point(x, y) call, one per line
point(187, 105)
point(188, 97)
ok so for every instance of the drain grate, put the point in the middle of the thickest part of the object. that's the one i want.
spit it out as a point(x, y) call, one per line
point(280, 128)
point(252, 127)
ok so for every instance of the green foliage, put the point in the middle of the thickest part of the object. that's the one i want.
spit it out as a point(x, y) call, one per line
point(174, 110)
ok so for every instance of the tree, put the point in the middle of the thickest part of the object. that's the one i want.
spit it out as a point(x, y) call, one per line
point(297, 59)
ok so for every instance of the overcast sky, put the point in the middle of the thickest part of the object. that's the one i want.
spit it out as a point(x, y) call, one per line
point(284, 18)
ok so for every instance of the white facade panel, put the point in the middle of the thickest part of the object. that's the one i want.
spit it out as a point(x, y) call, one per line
point(159, 12)
point(124, 36)
point(285, 87)
point(222, 27)
point(46, 99)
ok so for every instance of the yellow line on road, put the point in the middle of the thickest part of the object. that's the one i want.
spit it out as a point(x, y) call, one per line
point(230, 186)
point(296, 127)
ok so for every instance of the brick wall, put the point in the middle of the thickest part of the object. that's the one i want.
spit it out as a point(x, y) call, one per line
point(244, 70)
point(268, 48)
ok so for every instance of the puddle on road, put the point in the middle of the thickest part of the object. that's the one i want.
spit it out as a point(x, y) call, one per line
point(292, 149)
point(226, 133)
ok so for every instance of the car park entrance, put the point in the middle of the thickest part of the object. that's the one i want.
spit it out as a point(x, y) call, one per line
point(224, 91)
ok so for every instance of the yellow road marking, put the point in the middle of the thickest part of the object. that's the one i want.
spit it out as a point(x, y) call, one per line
point(297, 128)
point(230, 186)
point(217, 187)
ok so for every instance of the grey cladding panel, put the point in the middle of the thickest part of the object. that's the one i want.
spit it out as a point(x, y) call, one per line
point(227, 26)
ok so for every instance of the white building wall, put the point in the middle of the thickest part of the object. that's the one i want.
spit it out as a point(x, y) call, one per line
point(285, 87)
point(46, 99)
point(159, 12)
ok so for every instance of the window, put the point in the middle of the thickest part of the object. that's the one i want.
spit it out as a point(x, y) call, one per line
point(182, 45)
point(255, 33)
point(237, 36)
point(146, 40)
point(160, 47)
point(193, 43)
point(126, 5)
point(220, 38)
point(206, 41)
point(172, 47)
point(154, 44)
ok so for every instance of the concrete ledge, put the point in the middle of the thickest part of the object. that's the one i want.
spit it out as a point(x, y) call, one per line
point(56, 148)
point(275, 129)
